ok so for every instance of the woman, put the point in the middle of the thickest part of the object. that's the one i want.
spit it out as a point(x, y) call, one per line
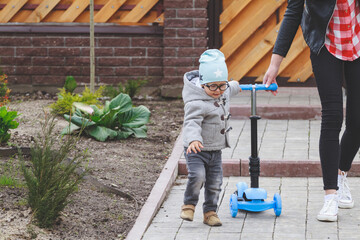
point(331, 28)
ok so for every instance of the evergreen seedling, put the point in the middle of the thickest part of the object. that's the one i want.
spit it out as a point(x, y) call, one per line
point(51, 176)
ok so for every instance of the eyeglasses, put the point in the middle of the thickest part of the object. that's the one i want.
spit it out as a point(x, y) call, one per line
point(214, 87)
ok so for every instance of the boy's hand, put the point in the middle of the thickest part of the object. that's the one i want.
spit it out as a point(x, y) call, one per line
point(195, 147)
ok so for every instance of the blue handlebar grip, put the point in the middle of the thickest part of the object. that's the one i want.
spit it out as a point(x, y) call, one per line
point(272, 87)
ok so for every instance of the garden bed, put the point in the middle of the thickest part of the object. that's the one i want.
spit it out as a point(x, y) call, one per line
point(98, 209)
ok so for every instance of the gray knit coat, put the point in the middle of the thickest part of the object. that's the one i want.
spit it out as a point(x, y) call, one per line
point(206, 119)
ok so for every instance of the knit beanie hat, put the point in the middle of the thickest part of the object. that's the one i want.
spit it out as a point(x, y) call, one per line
point(212, 67)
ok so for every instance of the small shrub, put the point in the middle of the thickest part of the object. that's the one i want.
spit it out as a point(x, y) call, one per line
point(7, 122)
point(4, 90)
point(131, 88)
point(51, 176)
point(70, 84)
point(66, 99)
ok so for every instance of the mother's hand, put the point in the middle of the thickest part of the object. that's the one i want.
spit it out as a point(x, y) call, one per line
point(272, 72)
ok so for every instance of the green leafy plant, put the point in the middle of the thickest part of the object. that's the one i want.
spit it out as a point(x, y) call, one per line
point(131, 88)
point(65, 100)
point(117, 120)
point(7, 122)
point(70, 84)
point(51, 176)
point(4, 90)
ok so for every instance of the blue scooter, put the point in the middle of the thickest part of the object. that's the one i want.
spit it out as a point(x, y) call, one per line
point(253, 199)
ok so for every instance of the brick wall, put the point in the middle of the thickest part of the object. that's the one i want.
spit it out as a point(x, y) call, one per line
point(41, 59)
point(185, 38)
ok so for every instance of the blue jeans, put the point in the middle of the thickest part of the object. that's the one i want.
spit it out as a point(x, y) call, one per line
point(204, 169)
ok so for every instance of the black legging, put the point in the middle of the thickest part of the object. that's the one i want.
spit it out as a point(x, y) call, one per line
point(329, 73)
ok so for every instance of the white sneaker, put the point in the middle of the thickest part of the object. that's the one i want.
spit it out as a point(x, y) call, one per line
point(345, 199)
point(330, 209)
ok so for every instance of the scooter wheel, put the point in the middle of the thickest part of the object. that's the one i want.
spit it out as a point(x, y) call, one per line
point(241, 187)
point(278, 207)
point(233, 205)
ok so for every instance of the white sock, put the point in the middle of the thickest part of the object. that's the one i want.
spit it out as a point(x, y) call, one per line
point(330, 196)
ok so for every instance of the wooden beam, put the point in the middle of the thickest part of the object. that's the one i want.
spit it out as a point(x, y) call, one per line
point(74, 11)
point(108, 10)
point(255, 55)
point(297, 47)
point(303, 74)
point(42, 10)
point(232, 11)
point(160, 19)
point(264, 11)
point(10, 10)
point(139, 11)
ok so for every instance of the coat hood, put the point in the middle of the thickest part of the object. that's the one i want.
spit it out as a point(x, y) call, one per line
point(192, 90)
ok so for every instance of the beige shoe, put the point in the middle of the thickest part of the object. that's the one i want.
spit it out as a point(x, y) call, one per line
point(187, 212)
point(212, 219)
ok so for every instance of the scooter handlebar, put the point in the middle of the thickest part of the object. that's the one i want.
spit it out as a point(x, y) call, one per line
point(272, 87)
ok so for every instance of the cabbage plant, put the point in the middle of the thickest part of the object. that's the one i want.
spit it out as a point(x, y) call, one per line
point(118, 119)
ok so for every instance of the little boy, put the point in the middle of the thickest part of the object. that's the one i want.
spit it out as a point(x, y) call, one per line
point(206, 96)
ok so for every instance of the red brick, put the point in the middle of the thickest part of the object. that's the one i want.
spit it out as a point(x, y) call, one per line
point(178, 23)
point(200, 23)
point(85, 71)
point(14, 41)
point(201, 3)
point(172, 80)
point(48, 80)
point(77, 61)
point(183, 70)
point(8, 70)
point(64, 52)
point(119, 52)
point(79, 42)
point(131, 71)
point(146, 42)
point(47, 42)
point(48, 61)
point(192, 13)
point(31, 51)
point(169, 13)
point(155, 52)
point(192, 32)
point(190, 52)
point(146, 62)
point(155, 71)
point(178, 4)
point(113, 42)
point(112, 80)
point(7, 51)
point(19, 79)
point(170, 71)
point(107, 52)
point(32, 70)
point(65, 70)
point(15, 61)
point(178, 62)
point(169, 52)
point(178, 42)
point(105, 71)
point(201, 42)
point(113, 61)
point(170, 32)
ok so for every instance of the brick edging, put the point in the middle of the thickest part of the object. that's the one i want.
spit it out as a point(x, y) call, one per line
point(158, 193)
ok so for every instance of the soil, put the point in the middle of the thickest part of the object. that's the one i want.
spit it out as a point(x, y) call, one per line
point(128, 167)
